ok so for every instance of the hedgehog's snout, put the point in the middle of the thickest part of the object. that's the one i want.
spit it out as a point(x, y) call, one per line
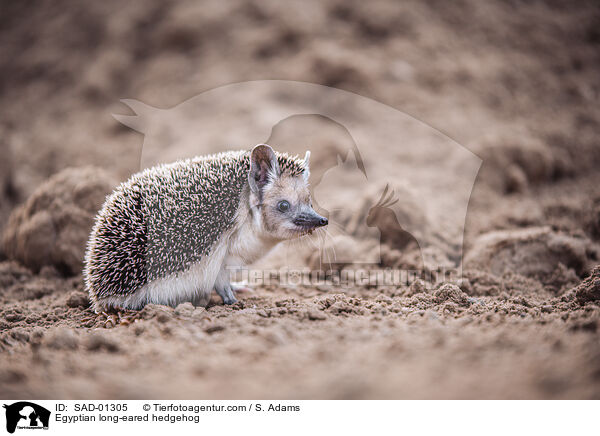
point(310, 220)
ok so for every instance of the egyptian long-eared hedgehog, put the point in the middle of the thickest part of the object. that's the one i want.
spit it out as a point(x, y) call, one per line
point(171, 233)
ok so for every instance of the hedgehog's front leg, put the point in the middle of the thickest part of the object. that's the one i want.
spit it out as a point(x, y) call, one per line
point(223, 287)
point(226, 294)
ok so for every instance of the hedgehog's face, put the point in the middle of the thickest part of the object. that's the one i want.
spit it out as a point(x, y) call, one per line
point(287, 210)
point(281, 198)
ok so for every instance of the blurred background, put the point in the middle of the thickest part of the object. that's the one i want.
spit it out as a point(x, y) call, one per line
point(526, 70)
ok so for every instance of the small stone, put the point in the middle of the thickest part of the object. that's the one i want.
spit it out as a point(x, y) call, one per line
point(214, 328)
point(547, 308)
point(416, 315)
point(199, 313)
point(62, 339)
point(184, 309)
point(315, 314)
point(32, 318)
point(101, 342)
point(20, 334)
point(384, 299)
point(78, 299)
point(14, 317)
point(161, 313)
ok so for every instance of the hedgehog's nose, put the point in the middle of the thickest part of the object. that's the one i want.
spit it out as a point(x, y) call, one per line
point(310, 219)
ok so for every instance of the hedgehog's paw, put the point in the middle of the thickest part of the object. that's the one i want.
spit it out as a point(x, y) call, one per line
point(229, 300)
point(111, 318)
point(226, 293)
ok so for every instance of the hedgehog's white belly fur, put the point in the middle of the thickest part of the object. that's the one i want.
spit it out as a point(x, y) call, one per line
point(238, 247)
point(195, 284)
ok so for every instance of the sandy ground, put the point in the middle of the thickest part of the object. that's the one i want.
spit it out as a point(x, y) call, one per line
point(516, 84)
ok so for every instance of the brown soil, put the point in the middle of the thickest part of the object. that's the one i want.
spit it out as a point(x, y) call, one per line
point(516, 83)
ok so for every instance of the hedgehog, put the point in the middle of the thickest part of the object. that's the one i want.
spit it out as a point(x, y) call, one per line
point(170, 234)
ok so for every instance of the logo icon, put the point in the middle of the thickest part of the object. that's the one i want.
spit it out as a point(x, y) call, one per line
point(26, 415)
point(394, 189)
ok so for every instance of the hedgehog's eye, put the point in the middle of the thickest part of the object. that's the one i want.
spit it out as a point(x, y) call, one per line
point(283, 206)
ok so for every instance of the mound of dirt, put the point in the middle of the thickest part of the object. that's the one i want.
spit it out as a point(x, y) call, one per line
point(536, 252)
point(451, 293)
point(589, 289)
point(53, 225)
point(512, 164)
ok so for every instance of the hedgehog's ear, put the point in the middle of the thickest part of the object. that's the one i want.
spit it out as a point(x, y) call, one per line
point(306, 172)
point(263, 167)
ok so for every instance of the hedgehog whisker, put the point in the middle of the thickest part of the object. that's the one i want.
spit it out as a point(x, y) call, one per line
point(311, 240)
point(320, 249)
point(315, 244)
point(327, 234)
point(307, 237)
point(327, 252)
point(339, 226)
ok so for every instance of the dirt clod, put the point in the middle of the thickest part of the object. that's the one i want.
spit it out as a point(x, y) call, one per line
point(101, 342)
point(52, 227)
point(62, 339)
point(589, 289)
point(532, 252)
point(451, 293)
point(78, 299)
